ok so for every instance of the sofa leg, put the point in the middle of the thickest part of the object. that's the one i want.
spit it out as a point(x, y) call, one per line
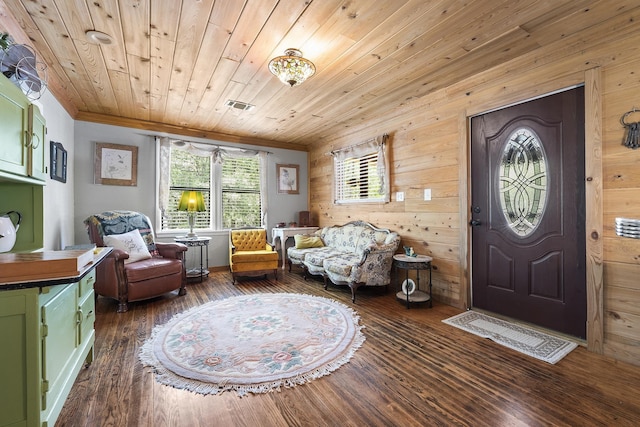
point(275, 274)
point(289, 262)
point(182, 291)
point(326, 284)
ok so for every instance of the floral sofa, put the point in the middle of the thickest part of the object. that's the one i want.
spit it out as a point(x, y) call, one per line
point(353, 254)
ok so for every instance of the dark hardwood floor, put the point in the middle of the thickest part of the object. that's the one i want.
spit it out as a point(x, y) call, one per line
point(413, 370)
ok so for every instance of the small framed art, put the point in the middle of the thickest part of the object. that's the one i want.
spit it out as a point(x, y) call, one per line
point(116, 164)
point(288, 179)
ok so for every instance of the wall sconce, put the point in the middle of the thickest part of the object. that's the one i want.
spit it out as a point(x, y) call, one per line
point(192, 202)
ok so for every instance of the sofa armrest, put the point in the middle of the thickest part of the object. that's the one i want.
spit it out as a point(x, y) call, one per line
point(378, 250)
point(171, 250)
point(270, 246)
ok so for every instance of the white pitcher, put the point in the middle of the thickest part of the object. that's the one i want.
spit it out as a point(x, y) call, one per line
point(8, 230)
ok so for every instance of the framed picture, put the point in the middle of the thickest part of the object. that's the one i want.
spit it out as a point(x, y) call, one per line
point(115, 164)
point(58, 162)
point(288, 179)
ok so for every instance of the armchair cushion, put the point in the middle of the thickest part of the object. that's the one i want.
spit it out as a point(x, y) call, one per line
point(131, 243)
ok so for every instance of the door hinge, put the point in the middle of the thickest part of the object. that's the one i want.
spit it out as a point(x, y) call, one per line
point(44, 330)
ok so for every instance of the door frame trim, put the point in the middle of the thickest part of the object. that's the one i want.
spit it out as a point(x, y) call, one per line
point(593, 208)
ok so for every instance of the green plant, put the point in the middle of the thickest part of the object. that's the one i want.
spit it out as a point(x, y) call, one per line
point(4, 41)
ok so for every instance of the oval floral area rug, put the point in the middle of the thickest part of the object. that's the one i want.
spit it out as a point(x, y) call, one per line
point(253, 343)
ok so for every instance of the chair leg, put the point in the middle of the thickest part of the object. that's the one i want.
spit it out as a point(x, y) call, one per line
point(123, 307)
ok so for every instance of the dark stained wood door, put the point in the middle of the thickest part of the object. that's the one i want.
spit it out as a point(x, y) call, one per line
point(528, 212)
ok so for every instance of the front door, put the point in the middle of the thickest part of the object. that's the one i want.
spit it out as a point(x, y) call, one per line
point(528, 212)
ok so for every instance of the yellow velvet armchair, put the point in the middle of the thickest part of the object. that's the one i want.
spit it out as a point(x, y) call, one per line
point(250, 254)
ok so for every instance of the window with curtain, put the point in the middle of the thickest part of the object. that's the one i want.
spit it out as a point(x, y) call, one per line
point(361, 172)
point(230, 180)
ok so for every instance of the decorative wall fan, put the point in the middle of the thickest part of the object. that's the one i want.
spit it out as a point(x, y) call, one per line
point(19, 64)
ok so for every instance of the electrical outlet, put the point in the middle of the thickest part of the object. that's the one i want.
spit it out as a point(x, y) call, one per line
point(427, 194)
point(400, 196)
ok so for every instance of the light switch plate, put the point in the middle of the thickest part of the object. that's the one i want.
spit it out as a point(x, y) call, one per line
point(427, 194)
point(400, 196)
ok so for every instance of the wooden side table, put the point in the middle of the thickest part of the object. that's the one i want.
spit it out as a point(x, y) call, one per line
point(202, 243)
point(418, 263)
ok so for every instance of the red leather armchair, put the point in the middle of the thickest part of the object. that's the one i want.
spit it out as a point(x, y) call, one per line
point(161, 271)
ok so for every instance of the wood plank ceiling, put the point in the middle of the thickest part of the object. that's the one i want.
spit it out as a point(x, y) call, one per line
point(177, 62)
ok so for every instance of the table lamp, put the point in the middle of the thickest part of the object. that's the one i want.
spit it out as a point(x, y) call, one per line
point(192, 202)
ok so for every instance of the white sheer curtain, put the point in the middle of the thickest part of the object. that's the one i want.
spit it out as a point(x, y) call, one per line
point(263, 188)
point(367, 147)
point(163, 173)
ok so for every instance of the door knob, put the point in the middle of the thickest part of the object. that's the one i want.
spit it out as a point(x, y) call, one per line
point(474, 223)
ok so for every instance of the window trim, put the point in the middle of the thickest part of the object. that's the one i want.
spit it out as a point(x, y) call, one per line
point(218, 152)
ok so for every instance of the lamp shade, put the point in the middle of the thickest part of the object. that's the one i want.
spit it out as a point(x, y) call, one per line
point(192, 201)
point(292, 68)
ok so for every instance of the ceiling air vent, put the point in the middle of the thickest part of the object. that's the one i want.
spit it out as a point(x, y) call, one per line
point(240, 105)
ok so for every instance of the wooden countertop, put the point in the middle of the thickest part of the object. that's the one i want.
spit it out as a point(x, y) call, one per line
point(25, 270)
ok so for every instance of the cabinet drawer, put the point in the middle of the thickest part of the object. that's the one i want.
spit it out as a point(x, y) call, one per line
point(86, 316)
point(86, 283)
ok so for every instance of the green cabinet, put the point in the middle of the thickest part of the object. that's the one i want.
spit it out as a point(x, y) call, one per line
point(22, 136)
point(47, 335)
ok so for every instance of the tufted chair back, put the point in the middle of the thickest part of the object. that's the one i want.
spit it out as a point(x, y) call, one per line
point(249, 239)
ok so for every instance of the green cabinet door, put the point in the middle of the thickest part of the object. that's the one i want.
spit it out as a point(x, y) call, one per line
point(59, 314)
point(13, 129)
point(37, 144)
point(19, 358)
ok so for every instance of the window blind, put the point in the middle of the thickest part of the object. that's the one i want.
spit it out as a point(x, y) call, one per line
point(241, 192)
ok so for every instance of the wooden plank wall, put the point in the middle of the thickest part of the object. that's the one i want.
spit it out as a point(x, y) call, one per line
point(429, 149)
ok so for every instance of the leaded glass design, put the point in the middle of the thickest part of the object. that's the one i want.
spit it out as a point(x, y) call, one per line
point(523, 181)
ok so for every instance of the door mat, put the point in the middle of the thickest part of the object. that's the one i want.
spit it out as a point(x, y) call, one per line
point(545, 347)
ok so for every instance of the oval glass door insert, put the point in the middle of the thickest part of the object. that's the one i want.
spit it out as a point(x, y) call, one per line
point(523, 181)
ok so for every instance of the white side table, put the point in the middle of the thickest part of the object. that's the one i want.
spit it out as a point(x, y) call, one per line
point(203, 243)
point(283, 233)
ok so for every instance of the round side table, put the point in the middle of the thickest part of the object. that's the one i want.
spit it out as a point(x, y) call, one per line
point(417, 263)
point(203, 243)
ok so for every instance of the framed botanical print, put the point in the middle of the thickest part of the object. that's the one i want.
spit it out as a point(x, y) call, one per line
point(116, 164)
point(288, 179)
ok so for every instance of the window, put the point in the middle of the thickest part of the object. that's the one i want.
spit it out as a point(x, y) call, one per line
point(360, 172)
point(230, 181)
point(240, 192)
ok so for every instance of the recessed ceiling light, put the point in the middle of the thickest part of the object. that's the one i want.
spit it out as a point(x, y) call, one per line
point(99, 37)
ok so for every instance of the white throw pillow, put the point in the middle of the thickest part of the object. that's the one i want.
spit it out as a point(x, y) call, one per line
point(131, 243)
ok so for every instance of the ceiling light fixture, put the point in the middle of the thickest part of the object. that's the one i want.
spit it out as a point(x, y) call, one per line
point(99, 37)
point(292, 68)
